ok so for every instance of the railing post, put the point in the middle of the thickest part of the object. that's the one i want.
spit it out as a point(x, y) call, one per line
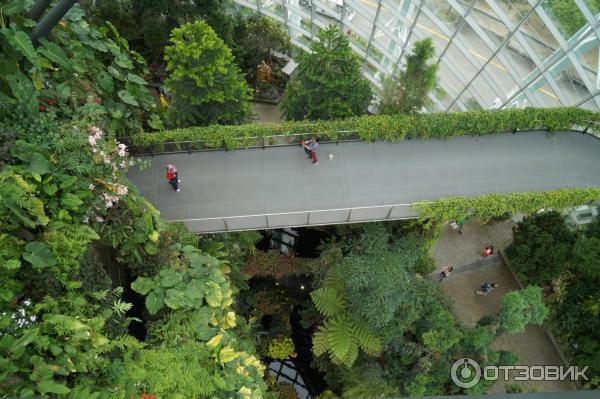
point(226, 225)
point(348, 218)
point(308, 218)
point(189, 147)
point(264, 144)
point(390, 212)
point(267, 220)
point(152, 150)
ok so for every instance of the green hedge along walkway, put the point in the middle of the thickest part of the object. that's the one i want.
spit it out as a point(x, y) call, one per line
point(278, 186)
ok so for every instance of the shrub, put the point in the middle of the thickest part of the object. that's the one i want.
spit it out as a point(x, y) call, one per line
point(382, 127)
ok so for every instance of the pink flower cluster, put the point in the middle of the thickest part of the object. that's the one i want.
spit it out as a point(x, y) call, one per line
point(94, 137)
point(116, 158)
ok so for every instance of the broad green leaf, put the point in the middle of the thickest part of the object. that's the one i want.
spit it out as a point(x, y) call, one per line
point(49, 386)
point(71, 202)
point(195, 289)
point(37, 162)
point(13, 7)
point(136, 79)
point(21, 43)
point(55, 54)
point(150, 248)
point(63, 214)
point(175, 299)
point(68, 181)
point(154, 302)
point(169, 277)
point(25, 339)
point(214, 295)
point(127, 98)
point(39, 255)
point(50, 189)
point(114, 72)
point(106, 82)
point(142, 285)
point(123, 61)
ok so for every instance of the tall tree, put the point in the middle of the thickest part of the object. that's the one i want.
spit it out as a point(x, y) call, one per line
point(541, 247)
point(407, 92)
point(520, 308)
point(328, 83)
point(207, 86)
point(256, 37)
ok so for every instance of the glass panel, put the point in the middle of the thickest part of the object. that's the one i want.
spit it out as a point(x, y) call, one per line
point(444, 14)
point(590, 104)
point(489, 23)
point(472, 101)
point(275, 6)
point(521, 64)
point(463, 62)
point(539, 37)
point(542, 94)
point(571, 85)
point(485, 91)
point(499, 79)
point(519, 101)
point(593, 6)
point(450, 84)
point(566, 15)
point(515, 10)
point(587, 54)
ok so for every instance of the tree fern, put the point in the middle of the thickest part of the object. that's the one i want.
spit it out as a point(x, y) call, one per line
point(368, 341)
point(328, 301)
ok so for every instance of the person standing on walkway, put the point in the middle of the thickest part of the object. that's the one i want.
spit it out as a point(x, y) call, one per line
point(457, 226)
point(446, 271)
point(173, 176)
point(310, 147)
point(486, 288)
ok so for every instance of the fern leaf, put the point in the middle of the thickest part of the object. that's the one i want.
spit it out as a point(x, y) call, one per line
point(368, 341)
point(339, 336)
point(328, 301)
point(320, 342)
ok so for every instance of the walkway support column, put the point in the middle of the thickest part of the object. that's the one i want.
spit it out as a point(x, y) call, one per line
point(50, 20)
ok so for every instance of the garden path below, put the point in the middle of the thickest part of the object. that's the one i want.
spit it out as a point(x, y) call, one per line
point(532, 346)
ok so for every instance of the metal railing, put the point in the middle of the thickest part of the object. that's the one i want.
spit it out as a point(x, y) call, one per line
point(358, 214)
point(282, 140)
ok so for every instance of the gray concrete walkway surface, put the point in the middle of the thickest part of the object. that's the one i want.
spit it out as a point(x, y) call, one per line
point(279, 187)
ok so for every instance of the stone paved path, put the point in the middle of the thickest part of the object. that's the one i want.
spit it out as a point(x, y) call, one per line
point(532, 346)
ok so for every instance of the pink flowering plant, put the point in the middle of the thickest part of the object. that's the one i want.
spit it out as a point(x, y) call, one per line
point(109, 189)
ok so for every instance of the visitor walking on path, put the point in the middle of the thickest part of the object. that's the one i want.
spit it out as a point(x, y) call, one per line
point(173, 176)
point(457, 226)
point(486, 288)
point(446, 271)
point(488, 250)
point(310, 147)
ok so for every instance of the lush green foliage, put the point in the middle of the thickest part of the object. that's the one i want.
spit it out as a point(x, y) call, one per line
point(328, 82)
point(490, 206)
point(407, 92)
point(67, 211)
point(82, 74)
point(341, 335)
point(281, 348)
point(373, 284)
point(520, 308)
point(207, 86)
point(542, 241)
point(256, 37)
point(146, 24)
point(568, 17)
point(385, 127)
point(541, 248)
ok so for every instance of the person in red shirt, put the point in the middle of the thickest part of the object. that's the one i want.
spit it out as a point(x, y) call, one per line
point(173, 176)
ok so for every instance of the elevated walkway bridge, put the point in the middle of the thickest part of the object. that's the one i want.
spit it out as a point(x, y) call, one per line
point(276, 186)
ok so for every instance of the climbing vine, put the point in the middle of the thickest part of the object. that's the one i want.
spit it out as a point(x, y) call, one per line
point(439, 125)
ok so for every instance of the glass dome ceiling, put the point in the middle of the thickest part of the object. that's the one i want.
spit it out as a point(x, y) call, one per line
point(492, 53)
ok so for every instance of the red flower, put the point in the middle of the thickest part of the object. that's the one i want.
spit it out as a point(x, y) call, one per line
point(152, 396)
point(42, 107)
point(144, 396)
